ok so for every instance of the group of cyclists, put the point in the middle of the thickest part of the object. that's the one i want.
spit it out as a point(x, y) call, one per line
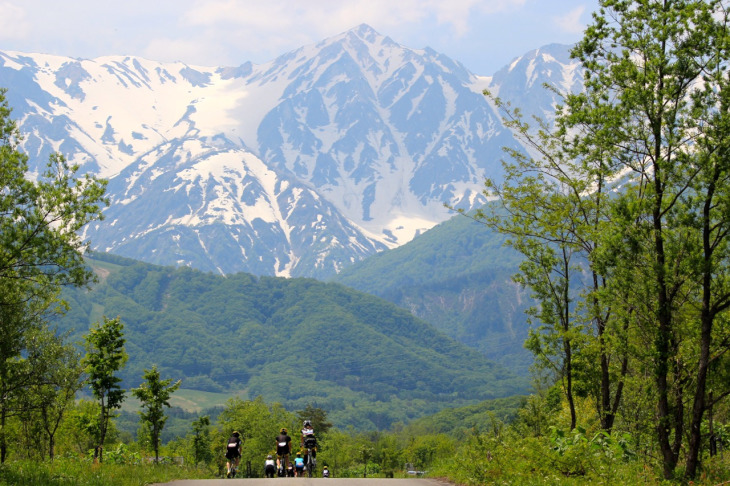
point(282, 466)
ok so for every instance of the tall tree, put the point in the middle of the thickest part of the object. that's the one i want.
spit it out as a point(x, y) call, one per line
point(552, 205)
point(201, 440)
point(41, 218)
point(154, 394)
point(656, 74)
point(40, 249)
point(54, 396)
point(105, 355)
point(317, 416)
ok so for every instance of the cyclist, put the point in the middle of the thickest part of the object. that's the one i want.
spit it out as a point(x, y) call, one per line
point(308, 441)
point(283, 449)
point(299, 465)
point(233, 453)
point(270, 466)
point(325, 472)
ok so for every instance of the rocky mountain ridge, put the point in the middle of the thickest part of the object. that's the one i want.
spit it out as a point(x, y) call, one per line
point(296, 167)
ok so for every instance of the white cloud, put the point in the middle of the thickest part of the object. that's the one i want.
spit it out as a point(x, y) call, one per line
point(570, 22)
point(184, 50)
point(328, 17)
point(13, 23)
point(483, 34)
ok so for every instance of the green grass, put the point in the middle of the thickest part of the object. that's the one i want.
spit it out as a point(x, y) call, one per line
point(71, 472)
point(196, 400)
point(188, 400)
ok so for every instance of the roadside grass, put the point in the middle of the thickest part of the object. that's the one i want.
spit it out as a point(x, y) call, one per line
point(72, 472)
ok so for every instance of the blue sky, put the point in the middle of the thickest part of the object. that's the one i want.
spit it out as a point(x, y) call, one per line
point(484, 35)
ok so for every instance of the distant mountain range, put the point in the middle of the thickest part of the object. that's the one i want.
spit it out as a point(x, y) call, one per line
point(295, 341)
point(298, 167)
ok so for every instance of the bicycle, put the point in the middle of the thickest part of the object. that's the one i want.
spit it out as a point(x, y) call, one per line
point(281, 469)
point(310, 443)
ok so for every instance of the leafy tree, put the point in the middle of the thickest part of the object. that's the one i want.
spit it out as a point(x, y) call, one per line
point(258, 424)
point(154, 395)
point(16, 373)
point(56, 386)
point(35, 368)
point(41, 219)
point(317, 416)
point(105, 356)
point(656, 106)
point(201, 440)
point(40, 250)
point(551, 205)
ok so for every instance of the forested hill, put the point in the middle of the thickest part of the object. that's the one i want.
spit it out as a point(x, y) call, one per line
point(457, 277)
point(296, 341)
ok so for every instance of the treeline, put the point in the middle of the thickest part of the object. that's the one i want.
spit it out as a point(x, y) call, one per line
point(293, 341)
point(456, 277)
point(619, 209)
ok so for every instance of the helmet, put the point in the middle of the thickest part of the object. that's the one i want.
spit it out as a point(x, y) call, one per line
point(283, 430)
point(299, 454)
point(307, 422)
point(236, 433)
point(269, 457)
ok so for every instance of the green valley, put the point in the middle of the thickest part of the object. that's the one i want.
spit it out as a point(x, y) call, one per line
point(292, 341)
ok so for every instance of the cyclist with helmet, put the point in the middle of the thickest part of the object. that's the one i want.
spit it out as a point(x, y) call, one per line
point(283, 449)
point(308, 442)
point(270, 466)
point(233, 453)
point(299, 465)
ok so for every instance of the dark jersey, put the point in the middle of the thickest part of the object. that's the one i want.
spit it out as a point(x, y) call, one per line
point(233, 447)
point(282, 444)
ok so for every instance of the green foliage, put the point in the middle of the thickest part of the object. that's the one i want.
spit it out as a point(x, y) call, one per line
point(154, 394)
point(258, 424)
point(201, 441)
point(294, 341)
point(456, 277)
point(105, 356)
point(40, 219)
point(79, 472)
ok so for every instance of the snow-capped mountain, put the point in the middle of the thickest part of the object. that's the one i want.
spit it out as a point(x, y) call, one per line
point(295, 167)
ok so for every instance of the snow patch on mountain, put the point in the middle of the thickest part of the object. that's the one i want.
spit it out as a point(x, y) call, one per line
point(296, 167)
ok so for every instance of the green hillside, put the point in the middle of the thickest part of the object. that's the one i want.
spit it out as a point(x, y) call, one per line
point(295, 341)
point(457, 277)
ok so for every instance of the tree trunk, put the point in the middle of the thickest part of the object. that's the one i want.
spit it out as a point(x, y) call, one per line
point(3, 443)
point(51, 446)
point(664, 332)
point(706, 321)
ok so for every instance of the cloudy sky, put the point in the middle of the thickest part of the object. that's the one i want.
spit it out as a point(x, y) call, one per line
point(484, 35)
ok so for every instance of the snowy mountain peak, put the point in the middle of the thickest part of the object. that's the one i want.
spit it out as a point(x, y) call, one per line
point(298, 166)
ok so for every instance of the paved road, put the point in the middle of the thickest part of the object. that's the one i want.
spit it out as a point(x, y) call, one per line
point(306, 482)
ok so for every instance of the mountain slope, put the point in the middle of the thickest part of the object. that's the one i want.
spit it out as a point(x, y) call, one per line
point(297, 341)
point(457, 277)
point(296, 167)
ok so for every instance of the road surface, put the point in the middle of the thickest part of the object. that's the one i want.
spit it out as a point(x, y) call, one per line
point(306, 482)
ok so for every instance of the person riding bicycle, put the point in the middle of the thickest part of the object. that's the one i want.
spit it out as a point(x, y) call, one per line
point(308, 442)
point(283, 449)
point(299, 464)
point(270, 466)
point(325, 472)
point(233, 453)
